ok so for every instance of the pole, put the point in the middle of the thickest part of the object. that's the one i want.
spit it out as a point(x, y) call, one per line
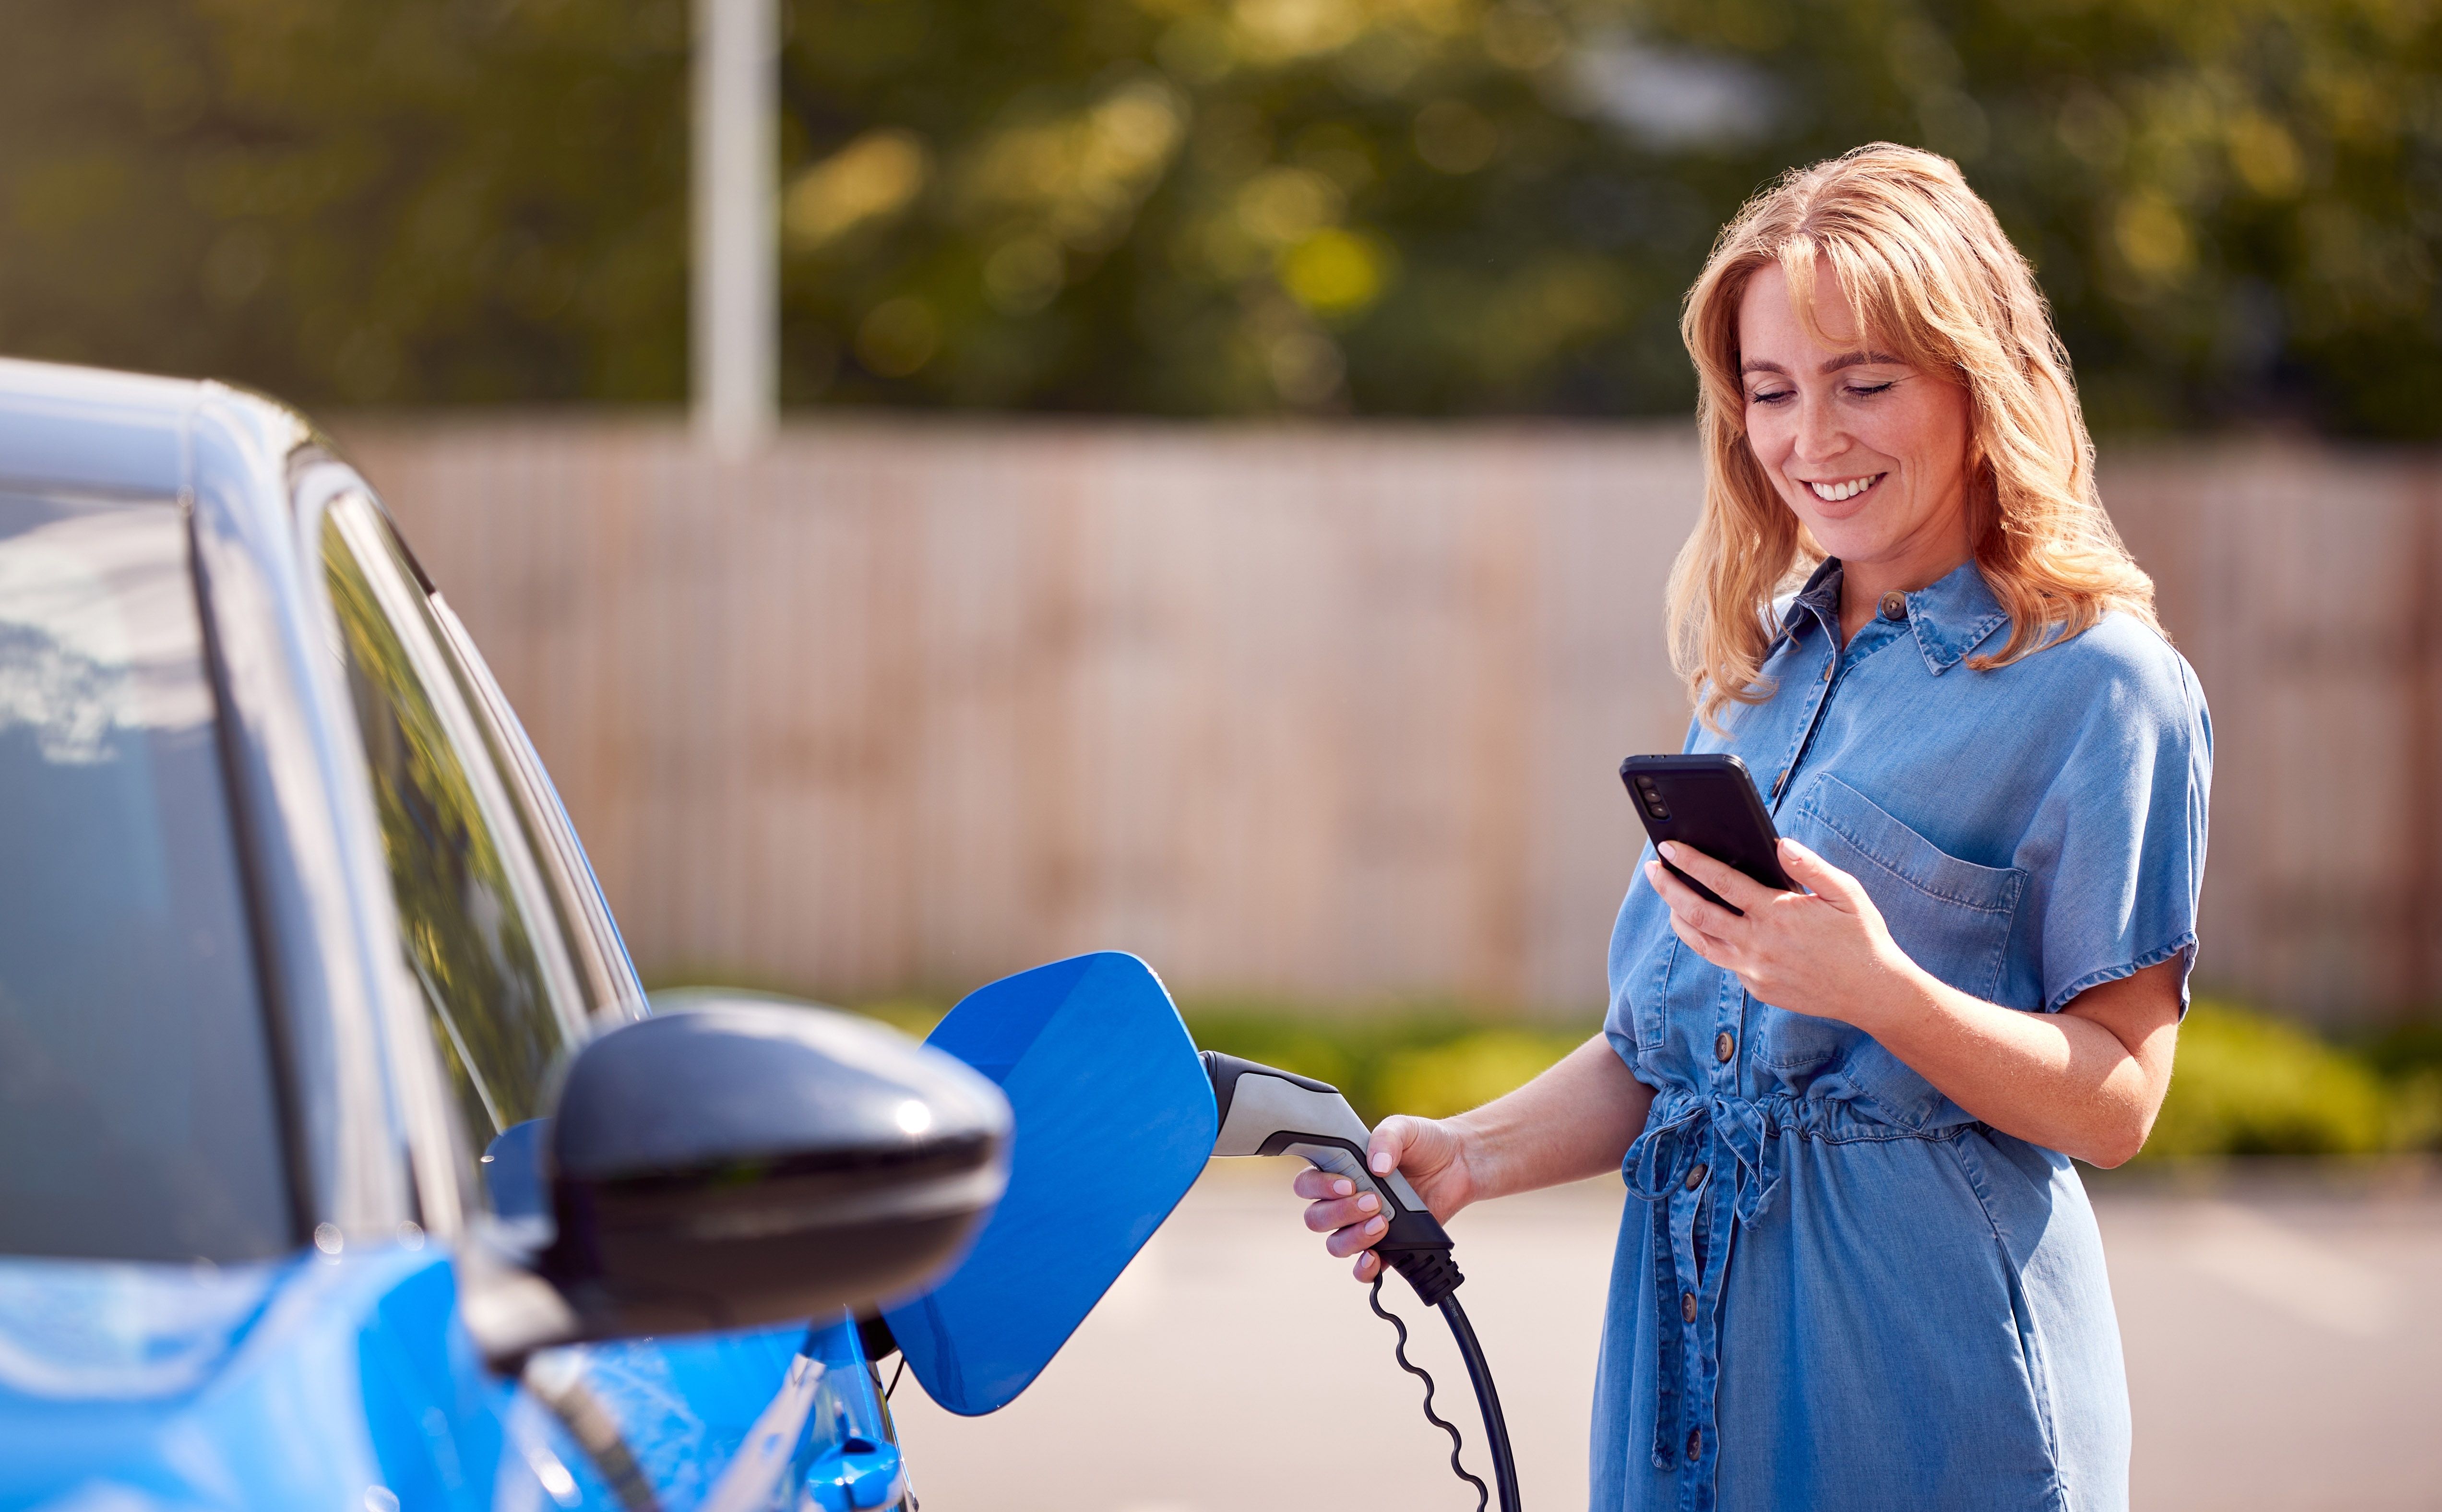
point(734, 306)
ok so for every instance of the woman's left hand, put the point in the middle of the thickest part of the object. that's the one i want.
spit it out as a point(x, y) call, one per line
point(1825, 953)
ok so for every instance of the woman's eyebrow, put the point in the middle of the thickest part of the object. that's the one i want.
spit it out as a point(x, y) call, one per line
point(1846, 359)
point(1859, 359)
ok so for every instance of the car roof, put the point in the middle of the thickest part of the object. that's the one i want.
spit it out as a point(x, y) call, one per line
point(86, 429)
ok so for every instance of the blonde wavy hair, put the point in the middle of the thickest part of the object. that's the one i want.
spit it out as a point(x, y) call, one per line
point(1934, 282)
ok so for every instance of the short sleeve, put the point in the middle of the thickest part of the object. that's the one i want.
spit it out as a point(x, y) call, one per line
point(2116, 851)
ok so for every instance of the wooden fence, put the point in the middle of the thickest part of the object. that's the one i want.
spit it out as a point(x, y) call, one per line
point(1328, 714)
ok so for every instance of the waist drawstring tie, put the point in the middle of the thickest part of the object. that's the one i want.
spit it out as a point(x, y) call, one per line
point(1690, 1142)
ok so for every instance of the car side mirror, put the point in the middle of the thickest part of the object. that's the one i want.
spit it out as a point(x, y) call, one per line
point(744, 1162)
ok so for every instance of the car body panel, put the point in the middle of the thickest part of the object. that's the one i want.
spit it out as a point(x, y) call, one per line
point(343, 1376)
point(317, 1381)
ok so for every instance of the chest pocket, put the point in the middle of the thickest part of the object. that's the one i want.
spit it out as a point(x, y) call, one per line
point(1952, 917)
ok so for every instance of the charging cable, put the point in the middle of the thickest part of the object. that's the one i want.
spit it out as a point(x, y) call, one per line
point(1264, 1111)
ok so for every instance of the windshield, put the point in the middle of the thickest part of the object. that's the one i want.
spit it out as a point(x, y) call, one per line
point(136, 1093)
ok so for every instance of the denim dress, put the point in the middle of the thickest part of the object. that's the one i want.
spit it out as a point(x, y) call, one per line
point(1835, 1289)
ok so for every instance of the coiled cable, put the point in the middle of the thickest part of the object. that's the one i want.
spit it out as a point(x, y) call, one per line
point(1399, 1350)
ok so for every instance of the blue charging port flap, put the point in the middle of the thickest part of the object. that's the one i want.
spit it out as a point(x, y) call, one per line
point(1115, 1119)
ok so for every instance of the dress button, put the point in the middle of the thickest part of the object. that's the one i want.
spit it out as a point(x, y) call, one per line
point(1695, 1175)
point(1894, 606)
point(1687, 1305)
point(1695, 1443)
point(1828, 667)
point(1778, 780)
point(1724, 1047)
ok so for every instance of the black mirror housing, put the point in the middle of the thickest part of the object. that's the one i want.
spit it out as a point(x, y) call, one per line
point(744, 1162)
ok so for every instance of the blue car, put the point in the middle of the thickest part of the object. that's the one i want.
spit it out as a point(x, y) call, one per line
point(349, 1167)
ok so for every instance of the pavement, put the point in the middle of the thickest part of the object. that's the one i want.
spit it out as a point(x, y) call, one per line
point(2284, 1333)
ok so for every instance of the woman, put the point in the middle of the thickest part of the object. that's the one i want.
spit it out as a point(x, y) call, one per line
point(1863, 1273)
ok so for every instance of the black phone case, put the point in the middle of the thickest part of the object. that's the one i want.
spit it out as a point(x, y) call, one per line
point(1709, 803)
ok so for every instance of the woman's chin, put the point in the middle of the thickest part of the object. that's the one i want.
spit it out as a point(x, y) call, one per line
point(1850, 540)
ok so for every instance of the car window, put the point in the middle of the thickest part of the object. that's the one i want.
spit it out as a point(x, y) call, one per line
point(606, 979)
point(137, 1096)
point(474, 916)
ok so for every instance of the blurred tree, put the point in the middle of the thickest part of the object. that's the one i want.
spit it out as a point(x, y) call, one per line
point(1188, 207)
point(407, 200)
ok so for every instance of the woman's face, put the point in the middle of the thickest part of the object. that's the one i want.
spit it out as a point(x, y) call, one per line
point(1868, 451)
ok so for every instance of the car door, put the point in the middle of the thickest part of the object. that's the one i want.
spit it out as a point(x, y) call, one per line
point(507, 939)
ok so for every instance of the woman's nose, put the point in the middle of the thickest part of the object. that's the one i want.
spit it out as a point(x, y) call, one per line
point(1820, 436)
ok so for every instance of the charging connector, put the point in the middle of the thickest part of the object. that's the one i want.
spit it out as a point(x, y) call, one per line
point(1429, 1269)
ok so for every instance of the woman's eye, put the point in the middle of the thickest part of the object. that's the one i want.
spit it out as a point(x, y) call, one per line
point(1867, 390)
point(1774, 397)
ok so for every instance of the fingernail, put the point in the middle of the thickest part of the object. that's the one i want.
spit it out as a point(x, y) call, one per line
point(1382, 1162)
point(1376, 1226)
point(1669, 848)
point(1342, 1188)
point(1368, 1203)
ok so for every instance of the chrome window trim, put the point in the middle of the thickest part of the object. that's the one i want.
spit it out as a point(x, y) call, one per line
point(621, 993)
point(420, 1089)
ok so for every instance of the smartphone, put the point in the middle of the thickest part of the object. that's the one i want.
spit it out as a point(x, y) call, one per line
point(1706, 803)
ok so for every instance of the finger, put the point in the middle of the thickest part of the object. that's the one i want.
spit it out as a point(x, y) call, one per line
point(1728, 882)
point(1686, 903)
point(1356, 1236)
point(1388, 1146)
point(1314, 1181)
point(1820, 877)
point(1707, 946)
point(1324, 1217)
point(1369, 1265)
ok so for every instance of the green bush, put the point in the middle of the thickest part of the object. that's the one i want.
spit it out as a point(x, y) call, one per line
point(1430, 1059)
point(2244, 1084)
point(2410, 1058)
point(2417, 1110)
point(911, 1017)
point(1466, 1073)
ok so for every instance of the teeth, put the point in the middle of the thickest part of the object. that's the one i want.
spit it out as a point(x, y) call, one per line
point(1833, 493)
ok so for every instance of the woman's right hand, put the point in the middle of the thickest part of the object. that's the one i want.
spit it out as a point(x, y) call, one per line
point(1430, 1152)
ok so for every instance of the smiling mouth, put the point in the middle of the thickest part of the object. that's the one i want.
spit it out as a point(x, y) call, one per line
point(1831, 493)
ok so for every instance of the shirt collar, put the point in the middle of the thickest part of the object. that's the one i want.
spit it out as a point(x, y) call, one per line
point(1950, 617)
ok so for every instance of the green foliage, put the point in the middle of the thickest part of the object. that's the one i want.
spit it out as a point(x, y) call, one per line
point(912, 1016)
point(1431, 1059)
point(392, 200)
point(2244, 1084)
point(1468, 1073)
point(2247, 1084)
point(1437, 206)
point(2410, 1058)
point(1206, 207)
